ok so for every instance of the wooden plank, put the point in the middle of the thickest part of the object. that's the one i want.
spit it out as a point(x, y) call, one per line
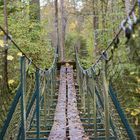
point(76, 130)
point(58, 131)
point(73, 63)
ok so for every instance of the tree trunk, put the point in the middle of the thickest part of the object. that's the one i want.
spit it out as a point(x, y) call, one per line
point(78, 26)
point(57, 45)
point(63, 29)
point(5, 87)
point(34, 15)
point(127, 6)
point(34, 10)
point(95, 27)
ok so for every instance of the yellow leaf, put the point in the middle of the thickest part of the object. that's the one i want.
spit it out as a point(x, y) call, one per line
point(137, 110)
point(133, 113)
point(138, 79)
point(72, 26)
point(10, 82)
point(134, 35)
point(131, 73)
point(137, 90)
point(67, 64)
point(127, 110)
point(1, 33)
point(19, 54)
point(10, 57)
point(1, 43)
point(0, 76)
point(137, 121)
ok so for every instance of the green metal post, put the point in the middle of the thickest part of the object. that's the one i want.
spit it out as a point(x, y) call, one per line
point(92, 85)
point(95, 109)
point(106, 101)
point(81, 88)
point(51, 89)
point(48, 93)
point(55, 76)
point(84, 92)
point(45, 103)
point(23, 90)
point(78, 74)
point(88, 98)
point(38, 102)
point(79, 84)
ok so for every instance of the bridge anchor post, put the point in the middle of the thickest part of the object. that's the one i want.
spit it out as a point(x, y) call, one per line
point(23, 90)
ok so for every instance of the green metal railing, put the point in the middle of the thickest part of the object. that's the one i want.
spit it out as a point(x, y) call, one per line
point(100, 94)
point(25, 106)
point(34, 93)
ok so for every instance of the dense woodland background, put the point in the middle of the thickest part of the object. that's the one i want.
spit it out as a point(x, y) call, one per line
point(90, 25)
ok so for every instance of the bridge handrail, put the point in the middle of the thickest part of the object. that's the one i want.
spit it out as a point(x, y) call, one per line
point(92, 73)
point(21, 87)
point(109, 46)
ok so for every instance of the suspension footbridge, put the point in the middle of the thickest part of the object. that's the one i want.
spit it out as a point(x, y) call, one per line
point(69, 103)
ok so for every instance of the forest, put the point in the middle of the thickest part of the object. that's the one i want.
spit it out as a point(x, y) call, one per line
point(86, 30)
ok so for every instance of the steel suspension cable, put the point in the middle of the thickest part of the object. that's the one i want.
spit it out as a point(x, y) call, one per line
point(113, 41)
point(23, 53)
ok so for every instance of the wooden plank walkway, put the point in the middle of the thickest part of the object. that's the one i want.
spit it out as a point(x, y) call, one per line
point(58, 131)
point(67, 124)
point(76, 130)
